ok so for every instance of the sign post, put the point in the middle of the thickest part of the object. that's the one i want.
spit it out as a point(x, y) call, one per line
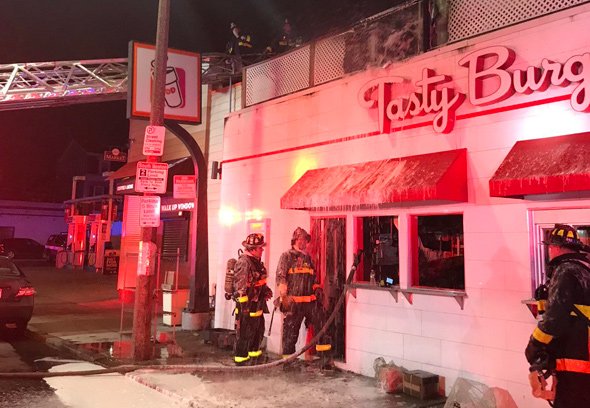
point(145, 282)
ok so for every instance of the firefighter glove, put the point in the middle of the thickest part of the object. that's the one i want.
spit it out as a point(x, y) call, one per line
point(282, 290)
point(267, 293)
point(538, 357)
point(286, 304)
point(319, 294)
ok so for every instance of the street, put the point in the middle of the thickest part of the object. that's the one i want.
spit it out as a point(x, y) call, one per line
point(22, 354)
point(76, 326)
point(82, 308)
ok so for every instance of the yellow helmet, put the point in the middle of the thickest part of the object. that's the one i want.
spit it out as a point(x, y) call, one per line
point(565, 236)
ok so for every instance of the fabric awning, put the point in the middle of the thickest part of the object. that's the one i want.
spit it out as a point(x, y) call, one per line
point(544, 166)
point(430, 177)
point(126, 170)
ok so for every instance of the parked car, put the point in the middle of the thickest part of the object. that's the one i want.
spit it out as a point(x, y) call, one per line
point(55, 243)
point(17, 296)
point(21, 248)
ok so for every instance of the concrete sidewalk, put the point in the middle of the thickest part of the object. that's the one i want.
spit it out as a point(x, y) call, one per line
point(268, 387)
point(80, 312)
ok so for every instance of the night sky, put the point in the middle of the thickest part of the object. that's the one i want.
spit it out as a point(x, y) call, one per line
point(59, 30)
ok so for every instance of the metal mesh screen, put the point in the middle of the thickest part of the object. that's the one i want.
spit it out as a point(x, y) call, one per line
point(468, 18)
point(328, 59)
point(280, 76)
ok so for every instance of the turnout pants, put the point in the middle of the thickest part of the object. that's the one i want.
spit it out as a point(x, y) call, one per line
point(249, 335)
point(572, 390)
point(313, 313)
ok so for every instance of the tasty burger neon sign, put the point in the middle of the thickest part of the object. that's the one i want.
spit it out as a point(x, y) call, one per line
point(432, 97)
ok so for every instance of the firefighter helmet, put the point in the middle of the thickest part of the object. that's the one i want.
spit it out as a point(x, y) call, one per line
point(254, 241)
point(565, 236)
point(298, 233)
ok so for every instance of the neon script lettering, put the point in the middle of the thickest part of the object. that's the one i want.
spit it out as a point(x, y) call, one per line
point(427, 99)
point(487, 71)
point(533, 79)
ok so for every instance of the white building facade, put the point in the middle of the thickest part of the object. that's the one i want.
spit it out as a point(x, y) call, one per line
point(443, 148)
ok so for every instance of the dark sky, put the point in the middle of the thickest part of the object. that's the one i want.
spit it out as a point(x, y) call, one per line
point(59, 30)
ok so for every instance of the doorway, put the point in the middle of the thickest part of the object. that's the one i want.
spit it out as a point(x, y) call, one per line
point(328, 250)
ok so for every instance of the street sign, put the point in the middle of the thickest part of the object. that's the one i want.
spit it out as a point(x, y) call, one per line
point(153, 140)
point(115, 155)
point(185, 187)
point(149, 211)
point(151, 177)
point(183, 83)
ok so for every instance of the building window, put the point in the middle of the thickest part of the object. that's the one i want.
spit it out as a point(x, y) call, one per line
point(379, 238)
point(175, 239)
point(541, 253)
point(438, 243)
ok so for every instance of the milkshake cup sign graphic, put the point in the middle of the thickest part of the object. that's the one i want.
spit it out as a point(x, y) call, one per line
point(175, 94)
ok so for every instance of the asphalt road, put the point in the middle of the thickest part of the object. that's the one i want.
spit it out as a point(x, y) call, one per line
point(18, 353)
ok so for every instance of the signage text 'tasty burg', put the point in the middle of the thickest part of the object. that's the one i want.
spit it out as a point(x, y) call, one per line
point(444, 101)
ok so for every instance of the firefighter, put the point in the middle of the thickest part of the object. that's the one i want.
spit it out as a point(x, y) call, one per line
point(285, 41)
point(252, 293)
point(300, 296)
point(238, 41)
point(561, 341)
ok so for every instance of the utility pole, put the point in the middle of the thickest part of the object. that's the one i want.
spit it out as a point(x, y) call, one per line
point(142, 313)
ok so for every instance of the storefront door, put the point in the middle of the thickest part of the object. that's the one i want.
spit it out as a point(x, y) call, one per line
point(329, 253)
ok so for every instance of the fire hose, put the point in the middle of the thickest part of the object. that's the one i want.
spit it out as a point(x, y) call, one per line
point(194, 368)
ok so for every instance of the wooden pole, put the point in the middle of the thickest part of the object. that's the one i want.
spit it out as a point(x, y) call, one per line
point(142, 313)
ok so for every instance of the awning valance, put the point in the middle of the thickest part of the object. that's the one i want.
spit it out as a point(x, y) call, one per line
point(544, 166)
point(430, 177)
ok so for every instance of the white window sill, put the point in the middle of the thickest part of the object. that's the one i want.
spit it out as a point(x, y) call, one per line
point(393, 290)
point(458, 295)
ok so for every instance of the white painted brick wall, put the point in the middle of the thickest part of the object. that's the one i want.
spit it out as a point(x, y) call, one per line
point(485, 341)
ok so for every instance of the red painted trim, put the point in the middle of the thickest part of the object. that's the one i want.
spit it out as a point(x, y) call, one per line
point(514, 107)
point(400, 128)
point(307, 146)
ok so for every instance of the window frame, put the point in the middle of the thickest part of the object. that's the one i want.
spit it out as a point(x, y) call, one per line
point(359, 240)
point(413, 284)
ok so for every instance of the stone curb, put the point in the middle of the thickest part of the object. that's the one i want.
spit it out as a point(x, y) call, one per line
point(188, 402)
point(60, 344)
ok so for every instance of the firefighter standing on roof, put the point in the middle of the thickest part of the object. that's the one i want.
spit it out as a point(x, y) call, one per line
point(252, 293)
point(561, 341)
point(299, 293)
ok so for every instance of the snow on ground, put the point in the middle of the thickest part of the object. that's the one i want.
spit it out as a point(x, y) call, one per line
point(267, 389)
point(106, 390)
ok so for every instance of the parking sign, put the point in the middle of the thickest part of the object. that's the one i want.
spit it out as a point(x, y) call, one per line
point(151, 177)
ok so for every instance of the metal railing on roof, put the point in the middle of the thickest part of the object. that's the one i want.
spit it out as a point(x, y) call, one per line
point(394, 35)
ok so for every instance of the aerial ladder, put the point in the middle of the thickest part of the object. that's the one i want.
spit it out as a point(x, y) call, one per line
point(48, 84)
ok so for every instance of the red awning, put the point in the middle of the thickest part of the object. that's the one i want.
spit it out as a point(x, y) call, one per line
point(437, 176)
point(544, 166)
